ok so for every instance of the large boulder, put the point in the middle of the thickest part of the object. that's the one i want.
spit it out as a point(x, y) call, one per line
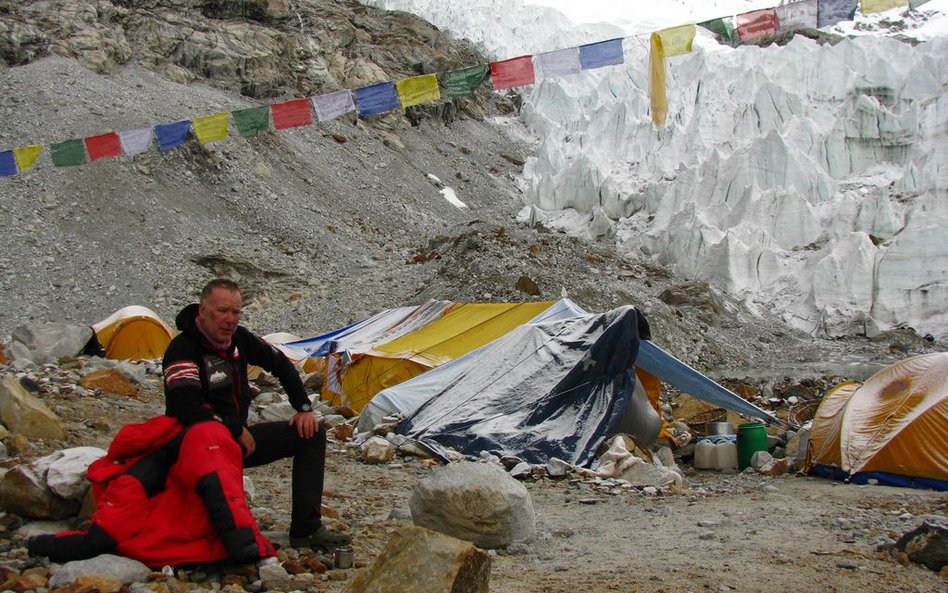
point(418, 559)
point(124, 569)
point(23, 413)
point(476, 502)
point(49, 341)
point(23, 492)
point(927, 544)
point(66, 475)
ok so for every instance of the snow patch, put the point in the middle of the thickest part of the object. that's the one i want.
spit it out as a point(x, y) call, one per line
point(452, 197)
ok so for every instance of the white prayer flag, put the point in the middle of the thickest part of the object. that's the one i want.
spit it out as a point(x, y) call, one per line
point(798, 15)
point(332, 105)
point(135, 141)
point(561, 62)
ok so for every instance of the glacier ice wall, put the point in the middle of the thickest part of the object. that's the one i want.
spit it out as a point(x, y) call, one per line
point(809, 181)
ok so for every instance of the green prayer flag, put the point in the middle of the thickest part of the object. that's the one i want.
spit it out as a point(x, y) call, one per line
point(68, 153)
point(722, 27)
point(251, 122)
point(461, 83)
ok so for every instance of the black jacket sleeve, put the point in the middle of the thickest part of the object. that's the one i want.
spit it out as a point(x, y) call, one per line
point(275, 362)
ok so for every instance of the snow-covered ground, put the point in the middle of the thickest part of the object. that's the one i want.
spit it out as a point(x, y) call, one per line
point(808, 180)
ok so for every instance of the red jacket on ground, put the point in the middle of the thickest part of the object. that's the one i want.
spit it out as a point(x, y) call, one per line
point(166, 495)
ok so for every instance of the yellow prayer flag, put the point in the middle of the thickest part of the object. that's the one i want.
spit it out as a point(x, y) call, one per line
point(658, 98)
point(677, 40)
point(418, 89)
point(211, 128)
point(26, 156)
point(881, 5)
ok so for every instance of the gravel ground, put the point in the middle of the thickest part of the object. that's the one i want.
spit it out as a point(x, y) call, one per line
point(725, 532)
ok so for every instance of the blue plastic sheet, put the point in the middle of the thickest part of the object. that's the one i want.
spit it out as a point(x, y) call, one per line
point(547, 390)
point(406, 397)
point(881, 478)
point(684, 378)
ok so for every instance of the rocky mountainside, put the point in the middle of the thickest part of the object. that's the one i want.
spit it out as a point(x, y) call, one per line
point(323, 224)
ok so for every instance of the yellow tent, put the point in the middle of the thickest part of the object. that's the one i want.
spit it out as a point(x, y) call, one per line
point(460, 329)
point(893, 428)
point(133, 332)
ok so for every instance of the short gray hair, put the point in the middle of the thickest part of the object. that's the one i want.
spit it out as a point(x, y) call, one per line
point(225, 283)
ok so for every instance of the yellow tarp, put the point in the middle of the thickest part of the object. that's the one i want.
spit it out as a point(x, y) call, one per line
point(677, 40)
point(418, 89)
point(133, 332)
point(211, 128)
point(461, 329)
point(881, 5)
point(896, 422)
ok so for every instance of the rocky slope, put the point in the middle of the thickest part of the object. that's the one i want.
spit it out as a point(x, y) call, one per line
point(324, 224)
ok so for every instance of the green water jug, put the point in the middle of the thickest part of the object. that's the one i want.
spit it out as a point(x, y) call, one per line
point(751, 438)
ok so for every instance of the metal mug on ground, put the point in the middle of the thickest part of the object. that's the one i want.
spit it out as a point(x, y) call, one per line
point(342, 557)
point(719, 428)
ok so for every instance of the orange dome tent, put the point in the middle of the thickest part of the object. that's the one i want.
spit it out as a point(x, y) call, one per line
point(133, 332)
point(892, 429)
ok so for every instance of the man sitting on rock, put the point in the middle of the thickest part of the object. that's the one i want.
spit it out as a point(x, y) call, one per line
point(170, 490)
point(206, 388)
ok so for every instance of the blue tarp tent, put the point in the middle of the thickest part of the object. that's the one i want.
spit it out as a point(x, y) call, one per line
point(543, 390)
point(408, 396)
point(491, 398)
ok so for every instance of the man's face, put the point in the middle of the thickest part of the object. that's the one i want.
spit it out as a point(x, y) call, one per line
point(220, 314)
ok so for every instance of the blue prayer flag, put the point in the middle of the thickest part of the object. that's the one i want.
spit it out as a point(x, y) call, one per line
point(603, 53)
point(376, 98)
point(831, 12)
point(173, 134)
point(7, 163)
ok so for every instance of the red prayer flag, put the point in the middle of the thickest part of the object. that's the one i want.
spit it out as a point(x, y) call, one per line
point(758, 23)
point(512, 72)
point(103, 145)
point(291, 114)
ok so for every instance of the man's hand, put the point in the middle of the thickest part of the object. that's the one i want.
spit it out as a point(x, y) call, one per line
point(246, 441)
point(306, 424)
